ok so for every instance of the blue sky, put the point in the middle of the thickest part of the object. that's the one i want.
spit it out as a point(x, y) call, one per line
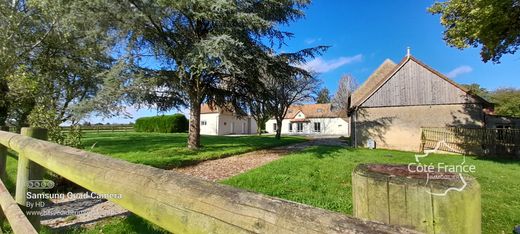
point(364, 33)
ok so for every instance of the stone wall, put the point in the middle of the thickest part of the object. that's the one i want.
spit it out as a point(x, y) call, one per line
point(399, 128)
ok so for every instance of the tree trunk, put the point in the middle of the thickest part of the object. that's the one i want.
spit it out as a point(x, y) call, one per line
point(4, 105)
point(258, 129)
point(278, 129)
point(194, 130)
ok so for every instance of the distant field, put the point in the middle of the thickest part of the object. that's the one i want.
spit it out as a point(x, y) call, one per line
point(168, 150)
point(321, 176)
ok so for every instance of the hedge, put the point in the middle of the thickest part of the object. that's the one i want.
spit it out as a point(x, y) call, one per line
point(163, 123)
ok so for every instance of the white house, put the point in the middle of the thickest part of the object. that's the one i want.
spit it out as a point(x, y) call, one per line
point(216, 121)
point(312, 119)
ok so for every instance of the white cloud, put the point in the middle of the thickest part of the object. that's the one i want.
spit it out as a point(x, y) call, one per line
point(320, 65)
point(309, 41)
point(459, 71)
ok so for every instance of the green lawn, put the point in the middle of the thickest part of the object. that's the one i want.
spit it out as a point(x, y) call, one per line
point(321, 176)
point(165, 150)
point(161, 150)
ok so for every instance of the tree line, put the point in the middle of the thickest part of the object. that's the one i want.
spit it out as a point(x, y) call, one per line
point(63, 60)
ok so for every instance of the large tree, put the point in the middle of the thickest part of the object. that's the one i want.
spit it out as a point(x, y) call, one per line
point(493, 25)
point(347, 85)
point(507, 101)
point(23, 30)
point(323, 96)
point(208, 50)
point(288, 84)
point(60, 66)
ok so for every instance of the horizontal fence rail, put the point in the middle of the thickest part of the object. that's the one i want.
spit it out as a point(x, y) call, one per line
point(101, 128)
point(184, 204)
point(473, 140)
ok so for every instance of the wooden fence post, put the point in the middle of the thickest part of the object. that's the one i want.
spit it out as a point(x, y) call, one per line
point(27, 171)
point(3, 164)
point(3, 157)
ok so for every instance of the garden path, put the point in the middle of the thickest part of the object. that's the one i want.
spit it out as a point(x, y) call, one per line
point(85, 212)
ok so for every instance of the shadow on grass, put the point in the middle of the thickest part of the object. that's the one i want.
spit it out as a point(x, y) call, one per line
point(326, 151)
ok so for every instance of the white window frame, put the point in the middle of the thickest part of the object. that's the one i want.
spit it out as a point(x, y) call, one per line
point(319, 126)
point(298, 129)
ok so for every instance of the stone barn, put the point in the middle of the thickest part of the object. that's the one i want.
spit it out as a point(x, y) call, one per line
point(397, 100)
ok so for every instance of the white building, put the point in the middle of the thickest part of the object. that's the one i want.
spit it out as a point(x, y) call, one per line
point(216, 121)
point(312, 119)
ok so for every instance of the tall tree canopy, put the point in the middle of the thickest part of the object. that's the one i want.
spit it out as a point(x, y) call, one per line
point(323, 96)
point(57, 53)
point(492, 24)
point(209, 51)
point(507, 101)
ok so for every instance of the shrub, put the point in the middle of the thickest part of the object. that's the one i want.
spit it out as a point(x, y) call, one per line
point(163, 123)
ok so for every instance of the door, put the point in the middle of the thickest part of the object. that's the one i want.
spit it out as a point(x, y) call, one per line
point(232, 127)
point(244, 128)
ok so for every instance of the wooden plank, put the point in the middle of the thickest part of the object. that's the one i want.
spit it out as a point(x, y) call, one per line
point(27, 171)
point(378, 204)
point(17, 220)
point(184, 204)
point(397, 204)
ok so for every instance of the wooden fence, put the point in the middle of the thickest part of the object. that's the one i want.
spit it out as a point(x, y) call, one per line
point(490, 141)
point(175, 202)
point(93, 128)
point(103, 128)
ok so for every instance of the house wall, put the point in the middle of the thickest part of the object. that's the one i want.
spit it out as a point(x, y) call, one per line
point(212, 120)
point(229, 124)
point(400, 127)
point(502, 121)
point(329, 126)
point(221, 124)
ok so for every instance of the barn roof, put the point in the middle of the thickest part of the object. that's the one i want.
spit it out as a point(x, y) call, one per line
point(206, 109)
point(373, 81)
point(386, 71)
point(314, 111)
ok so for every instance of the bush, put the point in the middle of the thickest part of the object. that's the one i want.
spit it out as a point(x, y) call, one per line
point(163, 123)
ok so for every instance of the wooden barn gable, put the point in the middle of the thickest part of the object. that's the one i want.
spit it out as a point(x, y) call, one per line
point(413, 83)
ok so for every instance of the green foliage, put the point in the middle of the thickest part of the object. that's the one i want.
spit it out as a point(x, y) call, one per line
point(323, 96)
point(169, 150)
point(507, 101)
point(43, 117)
point(163, 124)
point(491, 24)
point(477, 90)
point(321, 177)
point(211, 51)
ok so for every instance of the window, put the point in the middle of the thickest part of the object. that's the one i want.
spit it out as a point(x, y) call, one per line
point(275, 127)
point(317, 127)
point(299, 127)
point(290, 127)
point(203, 122)
point(319, 110)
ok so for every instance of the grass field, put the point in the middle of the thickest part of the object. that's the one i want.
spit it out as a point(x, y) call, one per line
point(156, 149)
point(321, 176)
point(164, 150)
